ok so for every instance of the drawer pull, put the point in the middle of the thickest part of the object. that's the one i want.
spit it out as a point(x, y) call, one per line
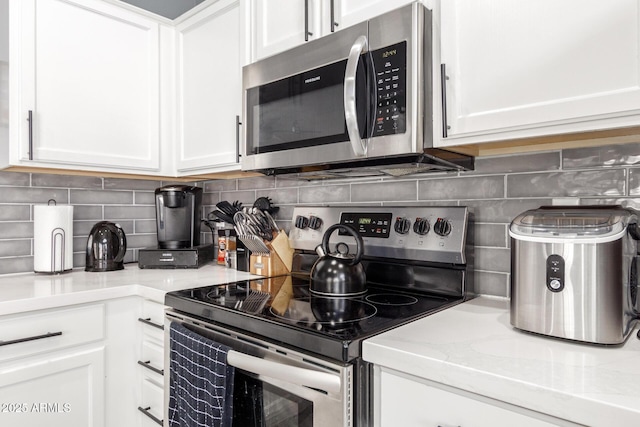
point(147, 365)
point(148, 321)
point(36, 337)
point(149, 414)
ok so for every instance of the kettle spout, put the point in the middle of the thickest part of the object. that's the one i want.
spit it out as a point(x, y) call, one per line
point(320, 251)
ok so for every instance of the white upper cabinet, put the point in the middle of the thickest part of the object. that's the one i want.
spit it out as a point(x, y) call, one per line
point(532, 68)
point(87, 73)
point(210, 56)
point(283, 24)
point(350, 12)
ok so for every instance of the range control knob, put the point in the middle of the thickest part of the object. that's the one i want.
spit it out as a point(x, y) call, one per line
point(402, 225)
point(421, 226)
point(315, 223)
point(442, 227)
point(302, 222)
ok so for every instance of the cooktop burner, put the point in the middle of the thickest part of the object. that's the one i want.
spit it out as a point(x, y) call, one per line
point(283, 309)
point(391, 299)
point(333, 312)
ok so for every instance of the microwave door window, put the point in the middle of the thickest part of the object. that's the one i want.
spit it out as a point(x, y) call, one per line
point(302, 111)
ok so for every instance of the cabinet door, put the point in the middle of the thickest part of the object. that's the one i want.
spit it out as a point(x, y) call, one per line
point(350, 12)
point(528, 68)
point(280, 24)
point(89, 74)
point(405, 402)
point(210, 59)
point(56, 390)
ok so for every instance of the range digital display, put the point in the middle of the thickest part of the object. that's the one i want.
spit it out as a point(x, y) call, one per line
point(368, 224)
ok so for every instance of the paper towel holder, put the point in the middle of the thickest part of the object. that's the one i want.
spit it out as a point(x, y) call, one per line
point(50, 252)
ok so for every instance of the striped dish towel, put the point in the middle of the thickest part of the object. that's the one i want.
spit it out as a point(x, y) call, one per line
point(200, 381)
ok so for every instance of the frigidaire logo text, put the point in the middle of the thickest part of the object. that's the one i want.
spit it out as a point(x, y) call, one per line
point(389, 53)
point(312, 79)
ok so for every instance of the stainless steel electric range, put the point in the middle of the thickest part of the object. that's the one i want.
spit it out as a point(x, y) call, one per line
point(298, 355)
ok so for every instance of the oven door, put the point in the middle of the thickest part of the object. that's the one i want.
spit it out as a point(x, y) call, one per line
point(274, 386)
point(309, 105)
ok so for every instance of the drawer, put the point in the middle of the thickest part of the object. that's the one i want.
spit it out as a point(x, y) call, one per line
point(23, 335)
point(152, 321)
point(153, 311)
point(152, 360)
point(152, 404)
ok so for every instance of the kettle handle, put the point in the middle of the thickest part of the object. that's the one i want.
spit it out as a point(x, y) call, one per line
point(123, 243)
point(349, 230)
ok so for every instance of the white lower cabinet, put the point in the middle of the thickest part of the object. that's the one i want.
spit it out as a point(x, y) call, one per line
point(122, 351)
point(403, 400)
point(89, 365)
point(150, 365)
point(52, 368)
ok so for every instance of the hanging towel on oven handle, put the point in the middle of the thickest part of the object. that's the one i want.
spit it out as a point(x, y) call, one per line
point(200, 380)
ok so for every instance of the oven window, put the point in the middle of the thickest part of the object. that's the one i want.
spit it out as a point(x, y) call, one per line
point(259, 404)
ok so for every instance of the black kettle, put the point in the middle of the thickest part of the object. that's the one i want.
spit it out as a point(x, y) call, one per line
point(106, 247)
point(340, 273)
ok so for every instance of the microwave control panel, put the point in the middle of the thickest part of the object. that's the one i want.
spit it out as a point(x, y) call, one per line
point(390, 65)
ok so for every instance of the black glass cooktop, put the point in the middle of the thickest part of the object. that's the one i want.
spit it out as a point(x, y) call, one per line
point(283, 310)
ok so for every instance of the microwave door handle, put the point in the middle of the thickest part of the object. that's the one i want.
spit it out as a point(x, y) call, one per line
point(291, 374)
point(358, 145)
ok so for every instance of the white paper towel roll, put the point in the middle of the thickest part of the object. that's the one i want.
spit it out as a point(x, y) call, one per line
point(52, 238)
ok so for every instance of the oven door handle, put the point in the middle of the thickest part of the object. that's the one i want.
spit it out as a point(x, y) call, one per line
point(291, 374)
point(358, 145)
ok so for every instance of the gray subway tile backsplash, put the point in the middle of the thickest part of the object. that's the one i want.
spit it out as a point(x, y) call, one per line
point(15, 179)
point(529, 162)
point(472, 187)
point(101, 197)
point(393, 191)
point(13, 248)
point(32, 195)
point(14, 212)
point(634, 181)
point(499, 189)
point(324, 194)
point(493, 235)
point(65, 181)
point(601, 182)
point(610, 155)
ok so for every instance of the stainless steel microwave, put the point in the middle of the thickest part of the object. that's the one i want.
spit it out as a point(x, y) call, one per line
point(356, 102)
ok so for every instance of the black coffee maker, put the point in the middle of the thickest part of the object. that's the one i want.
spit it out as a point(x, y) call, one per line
point(178, 216)
point(178, 219)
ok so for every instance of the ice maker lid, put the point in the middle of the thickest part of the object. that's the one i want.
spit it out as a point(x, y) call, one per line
point(571, 222)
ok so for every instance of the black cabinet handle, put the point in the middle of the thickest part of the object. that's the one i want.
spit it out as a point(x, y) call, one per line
point(443, 83)
point(30, 120)
point(150, 415)
point(148, 321)
point(36, 337)
point(238, 123)
point(306, 21)
point(147, 365)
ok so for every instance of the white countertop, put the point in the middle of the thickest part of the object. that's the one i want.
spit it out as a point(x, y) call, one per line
point(31, 291)
point(473, 347)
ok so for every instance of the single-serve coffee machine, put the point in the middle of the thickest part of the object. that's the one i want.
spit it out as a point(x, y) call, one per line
point(178, 219)
point(178, 216)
